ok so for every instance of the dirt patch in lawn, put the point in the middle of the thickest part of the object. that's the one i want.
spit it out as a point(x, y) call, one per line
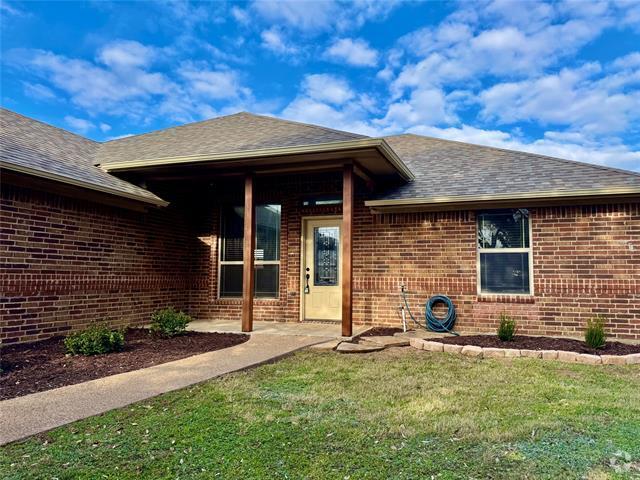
point(43, 365)
point(380, 332)
point(524, 342)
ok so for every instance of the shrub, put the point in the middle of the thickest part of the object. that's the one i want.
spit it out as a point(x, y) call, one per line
point(94, 340)
point(507, 328)
point(594, 334)
point(169, 323)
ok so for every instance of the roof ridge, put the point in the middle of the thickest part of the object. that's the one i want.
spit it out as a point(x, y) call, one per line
point(243, 112)
point(548, 157)
point(50, 125)
point(137, 135)
point(312, 125)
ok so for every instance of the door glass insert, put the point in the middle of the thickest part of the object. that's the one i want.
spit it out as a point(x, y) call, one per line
point(326, 241)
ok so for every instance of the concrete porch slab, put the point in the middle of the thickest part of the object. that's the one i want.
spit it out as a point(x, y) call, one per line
point(307, 329)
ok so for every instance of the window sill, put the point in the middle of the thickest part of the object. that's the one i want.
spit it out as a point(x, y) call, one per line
point(505, 298)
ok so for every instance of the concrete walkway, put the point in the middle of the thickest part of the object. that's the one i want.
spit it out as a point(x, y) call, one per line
point(31, 414)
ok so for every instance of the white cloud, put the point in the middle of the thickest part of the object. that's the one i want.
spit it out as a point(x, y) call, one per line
point(80, 125)
point(273, 39)
point(329, 100)
point(221, 84)
point(327, 88)
point(92, 86)
point(631, 60)
point(38, 91)
point(424, 106)
point(573, 97)
point(104, 127)
point(302, 15)
point(466, 47)
point(11, 10)
point(240, 15)
point(118, 137)
point(351, 117)
point(126, 54)
point(355, 52)
point(316, 16)
point(122, 81)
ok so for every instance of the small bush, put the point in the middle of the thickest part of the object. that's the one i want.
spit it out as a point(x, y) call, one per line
point(94, 340)
point(507, 328)
point(169, 323)
point(594, 335)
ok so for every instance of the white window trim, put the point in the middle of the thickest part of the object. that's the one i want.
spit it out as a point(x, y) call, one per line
point(529, 250)
point(241, 262)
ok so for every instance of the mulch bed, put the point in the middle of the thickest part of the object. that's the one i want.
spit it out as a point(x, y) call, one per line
point(524, 342)
point(42, 366)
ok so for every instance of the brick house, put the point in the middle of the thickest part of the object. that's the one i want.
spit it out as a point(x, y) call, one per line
point(250, 217)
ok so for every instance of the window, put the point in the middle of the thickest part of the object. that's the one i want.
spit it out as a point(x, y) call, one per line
point(326, 242)
point(266, 254)
point(504, 252)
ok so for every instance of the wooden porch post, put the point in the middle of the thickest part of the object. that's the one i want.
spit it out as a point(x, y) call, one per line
point(248, 254)
point(347, 248)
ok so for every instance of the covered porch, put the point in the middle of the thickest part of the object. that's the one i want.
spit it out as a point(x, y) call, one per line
point(274, 189)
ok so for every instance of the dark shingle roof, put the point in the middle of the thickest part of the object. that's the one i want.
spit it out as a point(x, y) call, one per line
point(445, 168)
point(233, 133)
point(442, 168)
point(30, 146)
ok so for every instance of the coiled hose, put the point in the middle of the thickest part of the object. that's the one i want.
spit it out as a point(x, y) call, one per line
point(434, 323)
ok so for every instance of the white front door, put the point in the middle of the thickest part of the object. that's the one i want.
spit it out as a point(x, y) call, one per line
point(322, 294)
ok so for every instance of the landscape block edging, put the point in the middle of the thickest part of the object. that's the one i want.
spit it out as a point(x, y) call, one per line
point(493, 352)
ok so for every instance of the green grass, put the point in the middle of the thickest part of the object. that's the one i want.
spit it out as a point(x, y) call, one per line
point(395, 414)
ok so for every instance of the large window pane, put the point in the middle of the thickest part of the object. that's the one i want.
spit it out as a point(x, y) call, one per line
point(504, 273)
point(503, 229)
point(231, 280)
point(267, 232)
point(232, 234)
point(266, 280)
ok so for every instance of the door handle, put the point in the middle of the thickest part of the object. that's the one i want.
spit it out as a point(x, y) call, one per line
point(306, 287)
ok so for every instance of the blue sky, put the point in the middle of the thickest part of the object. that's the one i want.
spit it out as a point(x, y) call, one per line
point(560, 78)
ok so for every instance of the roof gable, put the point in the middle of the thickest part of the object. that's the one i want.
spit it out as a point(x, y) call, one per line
point(232, 133)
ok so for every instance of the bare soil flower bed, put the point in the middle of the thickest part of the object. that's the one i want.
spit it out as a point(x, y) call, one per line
point(380, 332)
point(44, 365)
point(524, 342)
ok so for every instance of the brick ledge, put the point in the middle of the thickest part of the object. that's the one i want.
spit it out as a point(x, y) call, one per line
point(506, 299)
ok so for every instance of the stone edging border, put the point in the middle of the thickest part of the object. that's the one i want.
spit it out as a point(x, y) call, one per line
point(560, 355)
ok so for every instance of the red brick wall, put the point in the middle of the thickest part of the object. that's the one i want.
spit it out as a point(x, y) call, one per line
point(66, 263)
point(586, 262)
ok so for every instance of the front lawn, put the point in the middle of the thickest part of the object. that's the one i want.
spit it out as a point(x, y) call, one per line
point(401, 413)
